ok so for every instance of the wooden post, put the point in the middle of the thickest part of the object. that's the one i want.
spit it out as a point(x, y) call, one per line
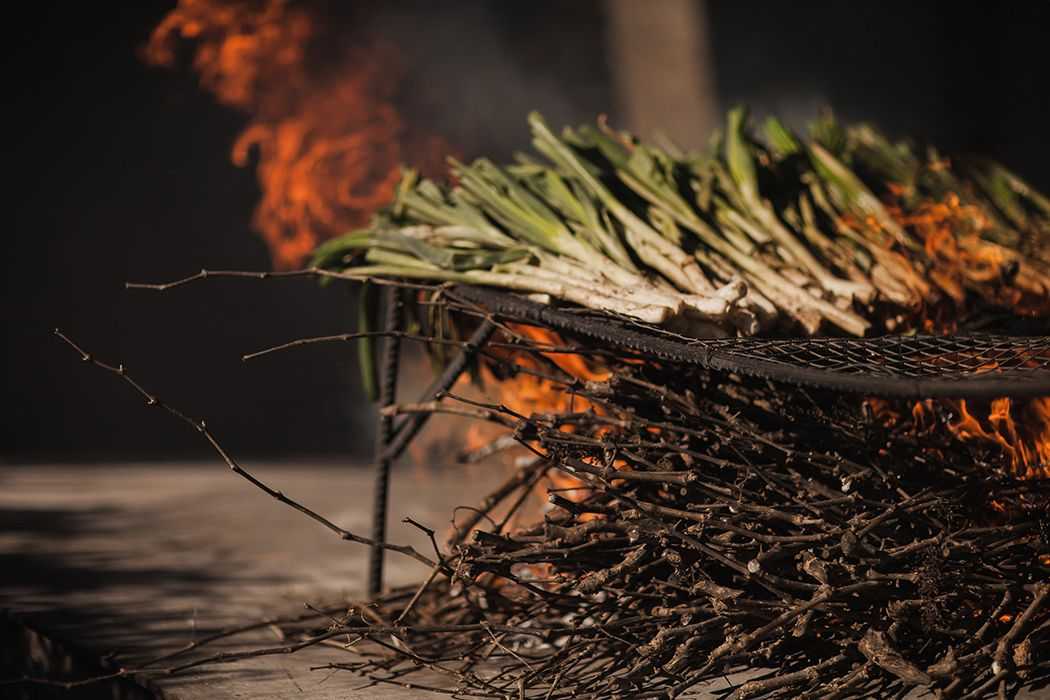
point(663, 69)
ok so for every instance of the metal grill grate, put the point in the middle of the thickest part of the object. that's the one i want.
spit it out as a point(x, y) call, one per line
point(980, 366)
point(944, 357)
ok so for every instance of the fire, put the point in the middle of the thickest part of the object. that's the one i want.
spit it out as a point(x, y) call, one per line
point(959, 259)
point(921, 415)
point(1024, 439)
point(475, 437)
point(960, 262)
point(950, 234)
point(527, 393)
point(329, 144)
point(882, 411)
point(327, 136)
point(530, 394)
point(1021, 430)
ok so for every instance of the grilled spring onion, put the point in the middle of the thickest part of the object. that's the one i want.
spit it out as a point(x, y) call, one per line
point(752, 233)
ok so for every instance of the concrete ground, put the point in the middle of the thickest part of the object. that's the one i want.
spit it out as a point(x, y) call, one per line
point(141, 559)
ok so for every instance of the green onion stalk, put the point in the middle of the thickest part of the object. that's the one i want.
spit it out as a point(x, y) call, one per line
point(752, 235)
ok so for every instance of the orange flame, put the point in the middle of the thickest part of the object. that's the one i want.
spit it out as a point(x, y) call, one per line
point(958, 260)
point(329, 142)
point(882, 411)
point(528, 394)
point(1025, 440)
point(1021, 430)
point(949, 231)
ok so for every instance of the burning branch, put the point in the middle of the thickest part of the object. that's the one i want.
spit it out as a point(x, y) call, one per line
point(704, 545)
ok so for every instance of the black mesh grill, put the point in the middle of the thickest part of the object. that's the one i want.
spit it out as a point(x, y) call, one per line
point(976, 366)
point(943, 357)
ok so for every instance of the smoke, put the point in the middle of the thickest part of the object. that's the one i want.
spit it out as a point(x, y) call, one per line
point(476, 69)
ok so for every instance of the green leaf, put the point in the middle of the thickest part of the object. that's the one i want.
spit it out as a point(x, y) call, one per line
point(891, 161)
point(782, 142)
point(738, 154)
point(367, 301)
point(334, 251)
point(587, 136)
point(827, 132)
point(703, 184)
point(409, 178)
point(853, 193)
point(437, 327)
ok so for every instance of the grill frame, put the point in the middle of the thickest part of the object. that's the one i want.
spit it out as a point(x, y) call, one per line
point(915, 367)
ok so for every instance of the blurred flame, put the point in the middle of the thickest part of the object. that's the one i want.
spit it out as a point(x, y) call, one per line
point(883, 411)
point(950, 234)
point(1020, 429)
point(329, 142)
point(959, 259)
point(539, 395)
point(922, 414)
point(1024, 439)
point(475, 437)
point(529, 394)
point(328, 139)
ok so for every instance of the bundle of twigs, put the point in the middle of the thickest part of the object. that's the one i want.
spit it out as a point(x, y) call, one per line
point(714, 525)
point(732, 525)
point(841, 230)
point(719, 528)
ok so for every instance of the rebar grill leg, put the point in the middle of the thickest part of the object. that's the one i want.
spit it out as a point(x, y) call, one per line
point(391, 442)
point(408, 428)
point(384, 429)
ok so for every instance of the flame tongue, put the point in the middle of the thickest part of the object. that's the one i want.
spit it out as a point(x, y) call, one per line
point(529, 394)
point(962, 264)
point(958, 256)
point(526, 393)
point(1024, 440)
point(329, 140)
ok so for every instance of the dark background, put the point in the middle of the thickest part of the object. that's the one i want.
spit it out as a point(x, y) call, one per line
point(122, 172)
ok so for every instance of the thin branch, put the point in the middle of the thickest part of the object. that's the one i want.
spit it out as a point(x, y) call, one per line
point(345, 337)
point(281, 274)
point(201, 427)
